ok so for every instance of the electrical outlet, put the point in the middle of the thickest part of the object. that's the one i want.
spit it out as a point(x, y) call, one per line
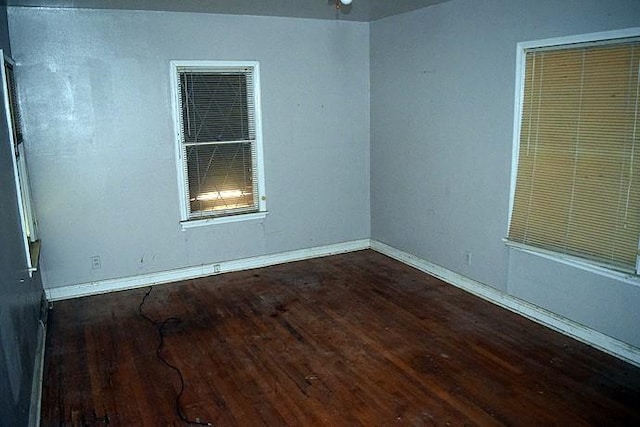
point(467, 257)
point(95, 262)
point(216, 268)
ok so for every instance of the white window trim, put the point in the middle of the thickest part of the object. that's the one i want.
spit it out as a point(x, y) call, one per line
point(521, 49)
point(185, 221)
point(193, 223)
point(27, 221)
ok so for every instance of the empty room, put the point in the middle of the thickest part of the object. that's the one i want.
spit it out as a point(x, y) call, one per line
point(320, 212)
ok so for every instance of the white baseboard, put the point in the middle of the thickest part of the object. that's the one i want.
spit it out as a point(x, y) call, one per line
point(539, 315)
point(112, 285)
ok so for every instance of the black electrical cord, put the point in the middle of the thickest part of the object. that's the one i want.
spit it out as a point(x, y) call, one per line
point(160, 328)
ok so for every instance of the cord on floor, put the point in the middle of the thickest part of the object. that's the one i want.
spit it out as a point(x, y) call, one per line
point(160, 328)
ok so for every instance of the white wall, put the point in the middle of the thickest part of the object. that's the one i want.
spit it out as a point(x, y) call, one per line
point(100, 135)
point(442, 94)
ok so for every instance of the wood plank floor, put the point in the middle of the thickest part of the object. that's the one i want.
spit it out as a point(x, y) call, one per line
point(348, 340)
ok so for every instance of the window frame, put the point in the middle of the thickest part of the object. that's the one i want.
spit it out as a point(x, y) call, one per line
point(521, 51)
point(185, 220)
point(28, 222)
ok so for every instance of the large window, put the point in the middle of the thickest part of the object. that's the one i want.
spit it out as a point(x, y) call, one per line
point(219, 140)
point(577, 182)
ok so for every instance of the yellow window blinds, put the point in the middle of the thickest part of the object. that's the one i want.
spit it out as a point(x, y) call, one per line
point(578, 173)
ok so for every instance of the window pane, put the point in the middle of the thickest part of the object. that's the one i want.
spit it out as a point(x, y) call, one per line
point(214, 107)
point(13, 106)
point(221, 178)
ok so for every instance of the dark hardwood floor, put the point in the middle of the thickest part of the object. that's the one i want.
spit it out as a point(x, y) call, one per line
point(347, 340)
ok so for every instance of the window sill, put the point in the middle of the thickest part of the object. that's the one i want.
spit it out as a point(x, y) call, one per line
point(629, 278)
point(193, 223)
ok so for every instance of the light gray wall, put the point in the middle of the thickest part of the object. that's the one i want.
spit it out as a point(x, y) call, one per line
point(442, 94)
point(19, 294)
point(98, 119)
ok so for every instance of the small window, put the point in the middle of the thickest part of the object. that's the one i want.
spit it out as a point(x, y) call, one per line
point(577, 180)
point(219, 143)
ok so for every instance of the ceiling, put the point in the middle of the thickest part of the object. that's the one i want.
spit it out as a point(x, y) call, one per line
point(359, 10)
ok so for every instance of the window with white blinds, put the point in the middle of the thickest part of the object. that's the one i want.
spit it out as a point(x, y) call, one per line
point(218, 138)
point(577, 182)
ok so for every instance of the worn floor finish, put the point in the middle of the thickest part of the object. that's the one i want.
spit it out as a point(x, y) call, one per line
point(348, 340)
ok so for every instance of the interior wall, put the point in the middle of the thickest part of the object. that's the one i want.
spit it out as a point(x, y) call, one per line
point(442, 105)
point(19, 294)
point(98, 121)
